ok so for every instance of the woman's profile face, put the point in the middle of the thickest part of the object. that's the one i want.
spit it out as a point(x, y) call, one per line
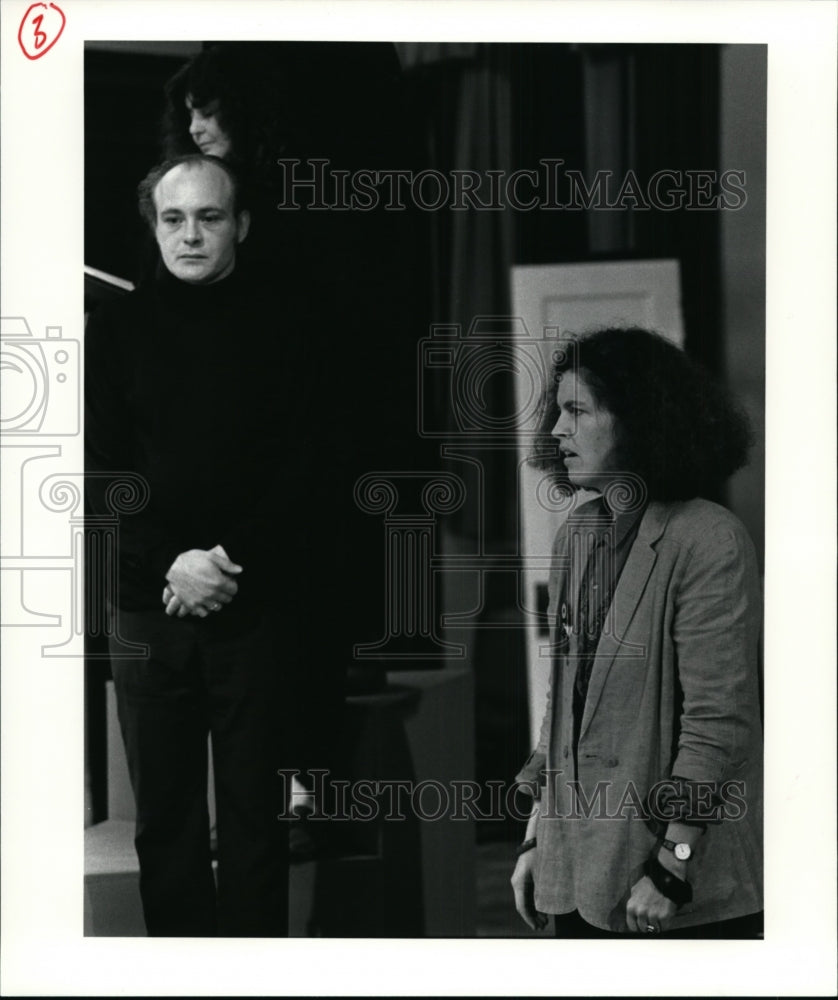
point(587, 434)
point(206, 131)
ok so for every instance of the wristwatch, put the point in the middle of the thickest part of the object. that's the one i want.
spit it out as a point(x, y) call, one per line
point(683, 852)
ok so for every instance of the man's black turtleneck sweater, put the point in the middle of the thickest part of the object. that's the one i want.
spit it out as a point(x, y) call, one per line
point(184, 385)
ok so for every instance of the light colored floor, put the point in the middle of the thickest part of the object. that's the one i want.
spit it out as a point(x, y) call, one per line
point(496, 916)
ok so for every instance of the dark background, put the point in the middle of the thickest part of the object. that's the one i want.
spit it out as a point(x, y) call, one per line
point(482, 106)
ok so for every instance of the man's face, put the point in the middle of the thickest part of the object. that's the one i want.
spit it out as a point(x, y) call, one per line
point(196, 229)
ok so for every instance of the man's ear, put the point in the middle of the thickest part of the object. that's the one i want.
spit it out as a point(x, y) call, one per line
point(243, 225)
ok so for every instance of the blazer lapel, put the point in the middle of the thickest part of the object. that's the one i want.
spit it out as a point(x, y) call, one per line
point(627, 595)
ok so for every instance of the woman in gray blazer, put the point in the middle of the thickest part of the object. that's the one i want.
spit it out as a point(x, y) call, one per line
point(647, 776)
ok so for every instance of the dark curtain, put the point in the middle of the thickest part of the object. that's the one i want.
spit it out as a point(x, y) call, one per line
point(484, 107)
point(462, 106)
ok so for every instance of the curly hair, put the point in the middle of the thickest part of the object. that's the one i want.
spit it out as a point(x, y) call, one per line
point(288, 99)
point(228, 75)
point(678, 429)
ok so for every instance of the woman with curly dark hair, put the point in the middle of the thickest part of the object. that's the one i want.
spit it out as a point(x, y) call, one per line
point(255, 104)
point(289, 99)
point(647, 776)
point(215, 101)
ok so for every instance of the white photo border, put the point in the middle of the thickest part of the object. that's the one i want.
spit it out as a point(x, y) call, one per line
point(43, 950)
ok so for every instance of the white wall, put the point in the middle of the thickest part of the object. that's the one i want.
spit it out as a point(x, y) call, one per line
point(742, 147)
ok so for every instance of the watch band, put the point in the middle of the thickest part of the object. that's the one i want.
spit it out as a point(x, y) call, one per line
point(667, 884)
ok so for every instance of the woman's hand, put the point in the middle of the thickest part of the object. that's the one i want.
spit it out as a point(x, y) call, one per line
point(523, 885)
point(648, 908)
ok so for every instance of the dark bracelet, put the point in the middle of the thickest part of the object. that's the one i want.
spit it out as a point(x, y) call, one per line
point(528, 845)
point(667, 884)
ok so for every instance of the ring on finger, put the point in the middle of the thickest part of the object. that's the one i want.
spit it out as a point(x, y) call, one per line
point(651, 929)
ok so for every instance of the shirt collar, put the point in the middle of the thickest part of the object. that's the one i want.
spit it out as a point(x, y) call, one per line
point(597, 512)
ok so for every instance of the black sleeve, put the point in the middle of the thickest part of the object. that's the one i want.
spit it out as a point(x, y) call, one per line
point(108, 440)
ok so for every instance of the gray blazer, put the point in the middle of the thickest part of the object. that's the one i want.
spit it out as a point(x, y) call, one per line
point(674, 691)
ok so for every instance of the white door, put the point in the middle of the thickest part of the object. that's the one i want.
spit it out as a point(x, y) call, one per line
point(554, 302)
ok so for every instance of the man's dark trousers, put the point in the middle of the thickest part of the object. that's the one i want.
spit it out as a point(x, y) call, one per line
point(197, 680)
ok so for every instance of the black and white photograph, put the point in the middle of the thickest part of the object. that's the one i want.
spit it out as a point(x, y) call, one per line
point(408, 496)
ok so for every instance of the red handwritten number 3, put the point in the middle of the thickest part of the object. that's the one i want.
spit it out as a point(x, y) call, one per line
point(40, 36)
point(40, 29)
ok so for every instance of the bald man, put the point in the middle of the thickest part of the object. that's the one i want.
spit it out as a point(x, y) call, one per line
point(184, 386)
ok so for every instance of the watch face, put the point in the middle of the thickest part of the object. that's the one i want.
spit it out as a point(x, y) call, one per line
point(682, 852)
